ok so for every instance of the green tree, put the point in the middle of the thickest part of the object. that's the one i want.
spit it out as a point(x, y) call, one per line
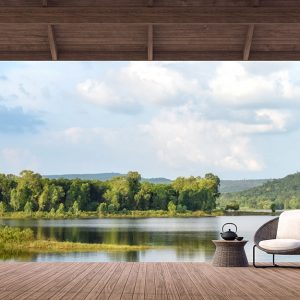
point(102, 208)
point(294, 203)
point(133, 179)
point(75, 209)
point(143, 197)
point(172, 208)
point(273, 207)
point(29, 188)
point(2, 208)
point(28, 207)
point(44, 198)
point(61, 209)
point(14, 200)
point(181, 208)
point(111, 208)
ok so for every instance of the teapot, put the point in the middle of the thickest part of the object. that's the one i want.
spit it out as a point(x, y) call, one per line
point(229, 235)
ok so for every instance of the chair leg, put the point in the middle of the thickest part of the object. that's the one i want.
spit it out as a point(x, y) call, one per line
point(274, 264)
point(254, 262)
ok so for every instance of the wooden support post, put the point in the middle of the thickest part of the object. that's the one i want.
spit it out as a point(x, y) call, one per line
point(150, 42)
point(52, 42)
point(248, 42)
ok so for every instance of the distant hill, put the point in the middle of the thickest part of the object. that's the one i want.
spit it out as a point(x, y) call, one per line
point(226, 186)
point(232, 186)
point(284, 192)
point(105, 177)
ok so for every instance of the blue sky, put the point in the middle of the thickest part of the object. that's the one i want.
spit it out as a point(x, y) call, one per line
point(238, 120)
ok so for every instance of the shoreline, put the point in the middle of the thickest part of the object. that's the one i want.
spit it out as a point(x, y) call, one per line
point(133, 215)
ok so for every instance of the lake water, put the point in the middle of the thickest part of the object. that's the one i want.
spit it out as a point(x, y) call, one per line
point(182, 239)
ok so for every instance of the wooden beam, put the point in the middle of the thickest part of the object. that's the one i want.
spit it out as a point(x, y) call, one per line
point(52, 42)
point(150, 42)
point(159, 56)
point(44, 3)
point(150, 3)
point(248, 42)
point(151, 15)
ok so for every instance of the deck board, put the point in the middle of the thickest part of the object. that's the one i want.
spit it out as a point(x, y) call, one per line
point(145, 281)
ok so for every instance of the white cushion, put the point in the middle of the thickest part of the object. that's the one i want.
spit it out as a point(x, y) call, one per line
point(280, 244)
point(289, 225)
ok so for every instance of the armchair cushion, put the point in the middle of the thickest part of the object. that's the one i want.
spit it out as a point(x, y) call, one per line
point(289, 225)
point(280, 244)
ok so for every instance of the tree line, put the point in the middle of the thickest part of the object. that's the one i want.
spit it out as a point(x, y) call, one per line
point(280, 194)
point(30, 192)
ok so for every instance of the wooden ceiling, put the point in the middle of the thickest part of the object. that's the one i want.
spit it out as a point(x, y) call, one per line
point(149, 30)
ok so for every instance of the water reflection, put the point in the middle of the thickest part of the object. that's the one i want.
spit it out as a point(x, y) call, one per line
point(178, 239)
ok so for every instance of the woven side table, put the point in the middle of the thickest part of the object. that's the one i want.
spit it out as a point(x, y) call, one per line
point(230, 254)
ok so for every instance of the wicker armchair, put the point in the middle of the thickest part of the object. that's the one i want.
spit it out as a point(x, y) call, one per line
point(268, 233)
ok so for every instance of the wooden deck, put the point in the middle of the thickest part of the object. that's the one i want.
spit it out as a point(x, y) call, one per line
point(145, 281)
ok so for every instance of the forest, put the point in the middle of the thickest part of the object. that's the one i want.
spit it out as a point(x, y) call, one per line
point(275, 194)
point(30, 192)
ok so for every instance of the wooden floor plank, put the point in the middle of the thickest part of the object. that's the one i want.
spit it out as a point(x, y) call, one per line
point(145, 281)
point(179, 285)
point(104, 287)
point(170, 287)
point(141, 280)
point(131, 282)
point(150, 281)
point(118, 289)
point(77, 282)
point(16, 289)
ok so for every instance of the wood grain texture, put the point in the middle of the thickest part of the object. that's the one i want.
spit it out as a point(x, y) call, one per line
point(145, 281)
point(248, 42)
point(52, 42)
point(197, 30)
point(150, 15)
point(150, 42)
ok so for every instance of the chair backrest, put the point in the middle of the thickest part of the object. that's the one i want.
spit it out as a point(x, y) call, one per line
point(289, 225)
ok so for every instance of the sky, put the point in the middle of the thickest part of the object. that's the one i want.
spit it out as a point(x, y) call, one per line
point(239, 120)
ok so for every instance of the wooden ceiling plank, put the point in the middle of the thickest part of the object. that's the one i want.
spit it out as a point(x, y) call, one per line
point(52, 42)
point(44, 3)
point(150, 42)
point(256, 3)
point(151, 15)
point(150, 3)
point(248, 42)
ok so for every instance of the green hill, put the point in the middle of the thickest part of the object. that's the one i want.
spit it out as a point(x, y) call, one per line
point(284, 193)
point(232, 186)
point(226, 186)
point(105, 177)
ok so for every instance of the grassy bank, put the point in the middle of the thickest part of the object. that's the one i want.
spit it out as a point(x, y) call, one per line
point(21, 241)
point(133, 214)
point(119, 214)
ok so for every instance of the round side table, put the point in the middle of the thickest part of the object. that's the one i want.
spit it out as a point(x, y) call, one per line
point(230, 254)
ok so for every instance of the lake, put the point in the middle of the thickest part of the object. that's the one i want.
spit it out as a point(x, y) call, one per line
point(180, 239)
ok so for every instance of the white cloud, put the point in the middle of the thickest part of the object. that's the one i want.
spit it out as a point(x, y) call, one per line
point(139, 84)
point(81, 136)
point(278, 119)
point(102, 94)
point(233, 84)
point(183, 137)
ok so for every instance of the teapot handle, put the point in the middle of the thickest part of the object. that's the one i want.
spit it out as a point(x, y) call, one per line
point(229, 224)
